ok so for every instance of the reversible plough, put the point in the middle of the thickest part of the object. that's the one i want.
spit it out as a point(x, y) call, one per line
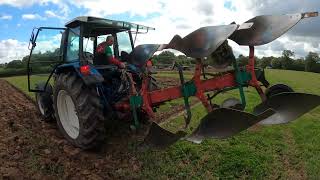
point(279, 104)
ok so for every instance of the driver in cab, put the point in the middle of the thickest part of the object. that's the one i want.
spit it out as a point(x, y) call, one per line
point(104, 48)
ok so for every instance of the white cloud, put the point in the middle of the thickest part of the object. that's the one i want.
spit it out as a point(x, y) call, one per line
point(5, 17)
point(32, 17)
point(194, 14)
point(184, 16)
point(62, 4)
point(51, 14)
point(12, 49)
point(27, 3)
point(108, 7)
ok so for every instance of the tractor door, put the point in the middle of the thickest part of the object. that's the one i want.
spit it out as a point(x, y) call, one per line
point(46, 54)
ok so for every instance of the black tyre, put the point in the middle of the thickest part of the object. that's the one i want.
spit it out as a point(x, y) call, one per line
point(276, 89)
point(78, 112)
point(44, 101)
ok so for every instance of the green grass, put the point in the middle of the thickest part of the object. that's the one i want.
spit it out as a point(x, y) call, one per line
point(21, 82)
point(271, 152)
point(264, 152)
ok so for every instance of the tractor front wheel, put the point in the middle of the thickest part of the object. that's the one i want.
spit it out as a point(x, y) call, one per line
point(78, 111)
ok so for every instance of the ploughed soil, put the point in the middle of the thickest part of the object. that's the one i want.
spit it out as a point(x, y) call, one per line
point(33, 149)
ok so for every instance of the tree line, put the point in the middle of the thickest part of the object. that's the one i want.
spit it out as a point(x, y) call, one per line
point(310, 63)
point(42, 61)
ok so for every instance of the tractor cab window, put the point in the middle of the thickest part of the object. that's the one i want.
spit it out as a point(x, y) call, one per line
point(88, 44)
point(124, 42)
point(73, 45)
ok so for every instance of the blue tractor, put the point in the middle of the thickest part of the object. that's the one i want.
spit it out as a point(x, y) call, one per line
point(73, 84)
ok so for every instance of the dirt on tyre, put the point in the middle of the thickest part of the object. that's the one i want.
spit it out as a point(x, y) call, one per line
point(78, 111)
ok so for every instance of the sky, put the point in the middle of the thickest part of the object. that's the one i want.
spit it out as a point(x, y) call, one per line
point(169, 17)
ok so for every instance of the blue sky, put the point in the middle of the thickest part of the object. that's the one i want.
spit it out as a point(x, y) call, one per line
point(20, 28)
point(18, 17)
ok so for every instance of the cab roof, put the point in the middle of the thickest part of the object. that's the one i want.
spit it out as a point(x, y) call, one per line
point(95, 22)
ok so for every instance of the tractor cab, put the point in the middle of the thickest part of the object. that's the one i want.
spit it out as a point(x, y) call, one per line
point(93, 31)
point(75, 45)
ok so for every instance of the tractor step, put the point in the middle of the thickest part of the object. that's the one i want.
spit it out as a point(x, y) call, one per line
point(288, 106)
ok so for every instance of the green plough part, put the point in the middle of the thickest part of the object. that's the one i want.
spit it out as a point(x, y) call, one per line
point(242, 78)
point(135, 103)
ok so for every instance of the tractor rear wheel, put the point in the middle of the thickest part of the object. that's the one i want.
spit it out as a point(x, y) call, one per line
point(277, 89)
point(78, 111)
point(44, 101)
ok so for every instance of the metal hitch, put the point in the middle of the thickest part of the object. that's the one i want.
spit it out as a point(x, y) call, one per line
point(288, 106)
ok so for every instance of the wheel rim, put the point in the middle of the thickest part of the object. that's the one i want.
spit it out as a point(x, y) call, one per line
point(67, 114)
point(40, 105)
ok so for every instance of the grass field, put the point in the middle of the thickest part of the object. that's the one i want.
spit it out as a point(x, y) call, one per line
point(290, 151)
point(21, 82)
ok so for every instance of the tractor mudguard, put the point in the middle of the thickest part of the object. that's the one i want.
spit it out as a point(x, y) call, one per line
point(93, 78)
point(267, 28)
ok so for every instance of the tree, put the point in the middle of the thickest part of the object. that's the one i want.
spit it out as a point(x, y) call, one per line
point(265, 62)
point(298, 65)
point(276, 63)
point(242, 60)
point(25, 59)
point(166, 57)
point(311, 62)
point(286, 60)
point(183, 60)
point(15, 64)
